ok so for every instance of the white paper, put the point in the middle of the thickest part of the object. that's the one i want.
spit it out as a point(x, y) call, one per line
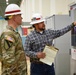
point(73, 53)
point(50, 55)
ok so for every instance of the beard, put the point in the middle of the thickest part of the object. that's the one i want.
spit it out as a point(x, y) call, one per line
point(42, 29)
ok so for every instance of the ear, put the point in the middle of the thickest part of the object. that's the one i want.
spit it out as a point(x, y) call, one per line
point(10, 16)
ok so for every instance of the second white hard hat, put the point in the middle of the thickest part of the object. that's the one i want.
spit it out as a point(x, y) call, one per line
point(12, 9)
point(37, 18)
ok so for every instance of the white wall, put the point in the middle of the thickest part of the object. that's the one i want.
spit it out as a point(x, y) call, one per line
point(45, 7)
point(3, 24)
point(62, 7)
point(72, 1)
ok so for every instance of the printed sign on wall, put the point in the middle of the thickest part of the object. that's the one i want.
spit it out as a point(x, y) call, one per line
point(24, 31)
point(73, 53)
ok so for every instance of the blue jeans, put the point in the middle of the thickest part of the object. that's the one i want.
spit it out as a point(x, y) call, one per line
point(42, 69)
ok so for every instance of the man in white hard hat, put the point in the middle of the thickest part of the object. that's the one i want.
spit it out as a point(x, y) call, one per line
point(12, 54)
point(37, 40)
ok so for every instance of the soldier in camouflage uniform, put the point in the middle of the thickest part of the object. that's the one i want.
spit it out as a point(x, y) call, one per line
point(12, 54)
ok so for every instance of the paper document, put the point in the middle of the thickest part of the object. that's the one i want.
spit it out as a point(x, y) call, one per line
point(73, 53)
point(50, 54)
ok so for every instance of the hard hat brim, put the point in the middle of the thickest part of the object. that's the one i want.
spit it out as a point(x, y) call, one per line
point(34, 22)
point(13, 14)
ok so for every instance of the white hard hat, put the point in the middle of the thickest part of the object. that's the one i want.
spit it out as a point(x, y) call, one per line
point(37, 18)
point(12, 9)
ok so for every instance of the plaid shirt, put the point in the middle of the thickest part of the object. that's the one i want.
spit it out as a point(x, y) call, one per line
point(36, 41)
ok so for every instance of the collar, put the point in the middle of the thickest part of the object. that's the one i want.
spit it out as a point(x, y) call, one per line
point(42, 32)
point(11, 28)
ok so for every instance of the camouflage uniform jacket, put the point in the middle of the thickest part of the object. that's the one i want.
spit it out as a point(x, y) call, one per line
point(12, 53)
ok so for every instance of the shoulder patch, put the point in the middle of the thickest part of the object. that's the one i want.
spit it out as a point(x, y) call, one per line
point(9, 38)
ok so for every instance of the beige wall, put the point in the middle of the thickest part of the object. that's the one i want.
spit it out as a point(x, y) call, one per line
point(62, 7)
point(45, 7)
point(72, 1)
point(3, 24)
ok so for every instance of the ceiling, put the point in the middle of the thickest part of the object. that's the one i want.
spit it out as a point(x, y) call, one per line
point(3, 5)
